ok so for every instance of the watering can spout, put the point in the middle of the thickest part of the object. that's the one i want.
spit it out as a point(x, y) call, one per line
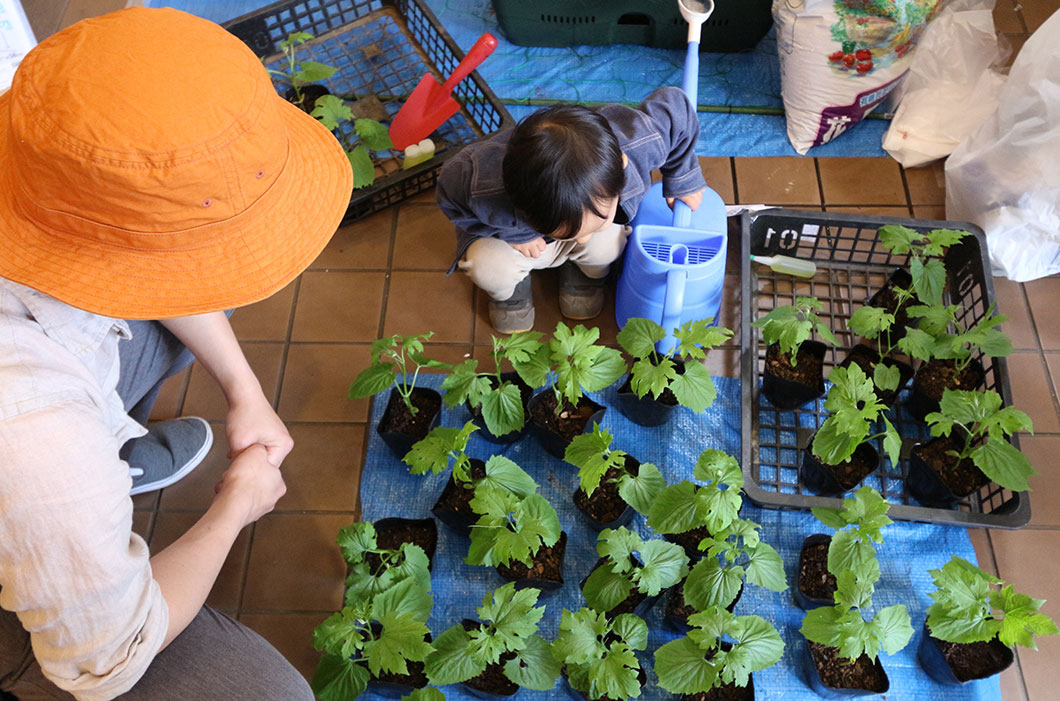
point(673, 303)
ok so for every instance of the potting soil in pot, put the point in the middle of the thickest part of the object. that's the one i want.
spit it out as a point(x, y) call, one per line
point(911, 549)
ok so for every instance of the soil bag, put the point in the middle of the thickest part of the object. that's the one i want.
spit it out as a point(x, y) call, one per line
point(951, 76)
point(840, 59)
point(1005, 176)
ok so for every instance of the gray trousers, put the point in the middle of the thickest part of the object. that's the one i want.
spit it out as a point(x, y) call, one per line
point(215, 657)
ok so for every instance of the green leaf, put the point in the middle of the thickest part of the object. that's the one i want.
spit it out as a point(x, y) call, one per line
point(649, 378)
point(962, 610)
point(632, 629)
point(848, 552)
point(822, 626)
point(432, 454)
point(533, 667)
point(502, 409)
point(401, 639)
point(591, 454)
point(893, 628)
point(765, 568)
point(338, 678)
point(502, 473)
point(682, 668)
point(407, 597)
point(892, 442)
point(464, 384)
point(331, 111)
point(510, 528)
point(295, 37)
point(341, 633)
point(677, 509)
point(711, 584)
point(372, 380)
point(1003, 463)
point(522, 346)
point(615, 676)
point(898, 239)
point(719, 468)
point(605, 589)
point(373, 135)
point(451, 661)
point(639, 336)
point(1021, 622)
point(829, 516)
point(363, 170)
point(929, 280)
point(870, 322)
point(917, 344)
point(427, 693)
point(314, 72)
point(618, 545)
point(355, 540)
point(581, 635)
point(695, 388)
point(641, 490)
point(665, 564)
point(534, 369)
point(695, 338)
point(758, 647)
point(512, 613)
point(886, 377)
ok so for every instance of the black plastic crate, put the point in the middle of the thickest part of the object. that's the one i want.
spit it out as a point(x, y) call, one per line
point(380, 48)
point(851, 266)
point(735, 25)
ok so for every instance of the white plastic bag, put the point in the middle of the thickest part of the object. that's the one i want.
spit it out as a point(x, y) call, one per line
point(839, 59)
point(952, 74)
point(1005, 176)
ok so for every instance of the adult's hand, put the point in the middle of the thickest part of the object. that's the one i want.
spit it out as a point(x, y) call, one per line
point(693, 200)
point(251, 485)
point(531, 249)
point(252, 421)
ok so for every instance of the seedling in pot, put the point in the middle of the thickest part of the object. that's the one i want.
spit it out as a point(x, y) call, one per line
point(299, 74)
point(854, 409)
point(440, 448)
point(392, 360)
point(512, 529)
point(858, 525)
point(500, 400)
point(925, 257)
point(984, 427)
point(605, 477)
point(598, 653)
point(384, 634)
point(701, 661)
point(680, 370)
point(786, 330)
point(505, 639)
point(888, 374)
point(632, 572)
point(840, 636)
point(973, 626)
point(696, 510)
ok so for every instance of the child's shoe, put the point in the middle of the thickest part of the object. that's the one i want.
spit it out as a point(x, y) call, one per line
point(515, 313)
point(580, 296)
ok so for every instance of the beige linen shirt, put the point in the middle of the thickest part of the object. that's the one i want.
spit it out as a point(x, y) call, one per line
point(71, 568)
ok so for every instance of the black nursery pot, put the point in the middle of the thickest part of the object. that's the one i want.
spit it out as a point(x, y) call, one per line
point(525, 392)
point(677, 610)
point(646, 410)
point(545, 579)
point(836, 479)
point(819, 657)
point(931, 380)
point(866, 358)
point(588, 506)
point(543, 422)
point(390, 533)
point(401, 430)
point(786, 393)
point(805, 588)
point(453, 507)
point(928, 487)
point(947, 663)
point(310, 94)
point(491, 684)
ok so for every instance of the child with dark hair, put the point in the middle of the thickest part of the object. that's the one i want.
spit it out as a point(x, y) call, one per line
point(559, 190)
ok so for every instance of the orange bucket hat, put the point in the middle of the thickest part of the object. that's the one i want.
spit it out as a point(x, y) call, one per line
point(148, 169)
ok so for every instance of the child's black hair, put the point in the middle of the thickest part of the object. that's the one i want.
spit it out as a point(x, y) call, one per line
point(560, 162)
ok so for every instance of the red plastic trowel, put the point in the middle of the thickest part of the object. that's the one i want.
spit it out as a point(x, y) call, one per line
point(430, 104)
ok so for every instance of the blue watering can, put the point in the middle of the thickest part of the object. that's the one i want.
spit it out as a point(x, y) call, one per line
point(675, 260)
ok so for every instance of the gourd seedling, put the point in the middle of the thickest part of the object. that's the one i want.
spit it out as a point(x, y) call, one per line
point(599, 653)
point(591, 453)
point(510, 527)
point(790, 326)
point(925, 256)
point(444, 446)
point(630, 563)
point(854, 408)
point(390, 366)
point(733, 554)
point(858, 525)
point(715, 504)
point(653, 372)
point(960, 344)
point(581, 365)
point(875, 323)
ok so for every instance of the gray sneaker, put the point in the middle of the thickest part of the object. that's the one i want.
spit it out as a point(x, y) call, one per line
point(580, 296)
point(515, 313)
point(169, 451)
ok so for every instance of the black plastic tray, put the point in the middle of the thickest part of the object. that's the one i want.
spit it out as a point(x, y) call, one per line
point(851, 266)
point(381, 48)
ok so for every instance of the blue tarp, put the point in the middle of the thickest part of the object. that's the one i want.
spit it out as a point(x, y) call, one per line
point(910, 549)
point(621, 73)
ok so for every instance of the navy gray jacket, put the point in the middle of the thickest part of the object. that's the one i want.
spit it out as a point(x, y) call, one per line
point(660, 133)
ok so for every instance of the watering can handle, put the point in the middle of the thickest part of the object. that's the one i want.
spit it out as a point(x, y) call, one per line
point(674, 300)
point(682, 215)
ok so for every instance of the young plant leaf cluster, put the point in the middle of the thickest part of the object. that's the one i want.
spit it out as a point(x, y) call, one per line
point(579, 364)
point(852, 559)
point(500, 402)
point(390, 366)
point(715, 504)
point(383, 623)
point(960, 345)
point(700, 661)
point(925, 257)
point(599, 652)
point(653, 372)
point(300, 73)
point(968, 609)
point(511, 527)
point(733, 553)
point(875, 323)
point(439, 448)
point(508, 626)
point(854, 408)
point(630, 563)
point(790, 326)
point(984, 427)
point(591, 453)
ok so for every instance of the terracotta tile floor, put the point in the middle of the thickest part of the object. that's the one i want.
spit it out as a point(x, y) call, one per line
point(385, 275)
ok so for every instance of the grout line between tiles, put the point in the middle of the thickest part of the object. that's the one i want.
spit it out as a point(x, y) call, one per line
point(1030, 315)
point(735, 183)
point(1023, 681)
point(820, 181)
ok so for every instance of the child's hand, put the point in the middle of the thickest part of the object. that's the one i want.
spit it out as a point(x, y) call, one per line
point(692, 200)
point(530, 249)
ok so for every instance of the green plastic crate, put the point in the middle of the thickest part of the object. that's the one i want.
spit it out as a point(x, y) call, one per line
point(735, 25)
